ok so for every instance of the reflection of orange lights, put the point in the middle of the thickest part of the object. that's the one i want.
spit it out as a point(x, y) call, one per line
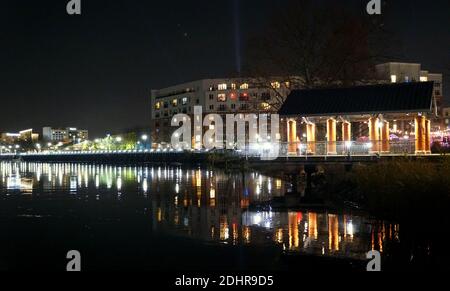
point(279, 236)
point(246, 234)
point(278, 184)
point(198, 178)
point(333, 232)
point(224, 230)
point(159, 214)
point(212, 202)
point(312, 223)
point(235, 233)
point(299, 217)
point(294, 241)
point(245, 203)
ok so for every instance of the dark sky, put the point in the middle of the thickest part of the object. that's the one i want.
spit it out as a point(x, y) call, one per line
point(96, 71)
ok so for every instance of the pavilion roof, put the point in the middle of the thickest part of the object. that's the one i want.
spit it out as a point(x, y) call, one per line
point(373, 99)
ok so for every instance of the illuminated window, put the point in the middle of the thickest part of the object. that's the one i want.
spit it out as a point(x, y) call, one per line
point(288, 84)
point(265, 106)
point(222, 98)
point(184, 101)
point(244, 86)
point(233, 86)
point(175, 102)
point(222, 87)
point(393, 78)
point(244, 97)
point(158, 105)
point(423, 79)
point(233, 96)
point(276, 85)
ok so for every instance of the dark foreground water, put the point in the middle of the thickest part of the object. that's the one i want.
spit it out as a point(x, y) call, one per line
point(169, 218)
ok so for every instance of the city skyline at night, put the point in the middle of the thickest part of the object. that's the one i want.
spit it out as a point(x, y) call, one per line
point(97, 70)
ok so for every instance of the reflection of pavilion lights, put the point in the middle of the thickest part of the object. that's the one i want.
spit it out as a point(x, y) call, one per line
point(350, 229)
point(145, 185)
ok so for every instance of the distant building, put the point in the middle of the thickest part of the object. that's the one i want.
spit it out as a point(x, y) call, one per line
point(218, 96)
point(411, 72)
point(23, 136)
point(69, 134)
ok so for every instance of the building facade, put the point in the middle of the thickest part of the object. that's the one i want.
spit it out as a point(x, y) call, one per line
point(215, 96)
point(410, 72)
point(27, 136)
point(69, 134)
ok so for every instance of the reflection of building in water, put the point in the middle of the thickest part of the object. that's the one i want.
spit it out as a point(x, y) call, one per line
point(206, 205)
point(213, 204)
point(320, 233)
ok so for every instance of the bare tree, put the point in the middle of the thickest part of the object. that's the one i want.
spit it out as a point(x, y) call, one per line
point(307, 46)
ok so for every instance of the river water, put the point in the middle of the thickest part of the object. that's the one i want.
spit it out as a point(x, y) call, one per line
point(171, 218)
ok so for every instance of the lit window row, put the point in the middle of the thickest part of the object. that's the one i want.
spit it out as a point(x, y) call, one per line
point(175, 102)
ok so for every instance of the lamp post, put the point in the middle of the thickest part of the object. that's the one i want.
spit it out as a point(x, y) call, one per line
point(144, 139)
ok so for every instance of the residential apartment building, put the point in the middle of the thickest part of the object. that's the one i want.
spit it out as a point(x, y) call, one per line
point(412, 72)
point(218, 96)
point(69, 134)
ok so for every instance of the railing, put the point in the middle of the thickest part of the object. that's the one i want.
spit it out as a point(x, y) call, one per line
point(298, 149)
point(333, 149)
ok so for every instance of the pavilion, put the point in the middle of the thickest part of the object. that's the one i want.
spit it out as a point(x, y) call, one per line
point(384, 119)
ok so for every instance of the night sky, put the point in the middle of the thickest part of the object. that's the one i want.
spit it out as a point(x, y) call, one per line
point(96, 71)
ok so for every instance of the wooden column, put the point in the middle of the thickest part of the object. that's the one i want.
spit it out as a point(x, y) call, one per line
point(292, 136)
point(331, 136)
point(420, 131)
point(385, 138)
point(374, 134)
point(311, 137)
point(346, 131)
point(428, 136)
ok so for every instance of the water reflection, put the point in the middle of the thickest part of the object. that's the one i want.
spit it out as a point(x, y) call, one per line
point(205, 205)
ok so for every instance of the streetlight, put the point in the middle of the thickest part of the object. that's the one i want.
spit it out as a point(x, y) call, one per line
point(118, 139)
point(144, 137)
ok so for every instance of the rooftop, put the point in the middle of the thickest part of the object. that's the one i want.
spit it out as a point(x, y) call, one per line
point(373, 99)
